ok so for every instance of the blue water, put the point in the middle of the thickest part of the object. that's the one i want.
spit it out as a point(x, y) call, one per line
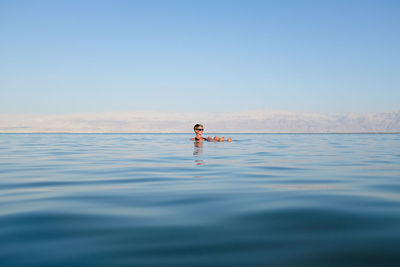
point(160, 199)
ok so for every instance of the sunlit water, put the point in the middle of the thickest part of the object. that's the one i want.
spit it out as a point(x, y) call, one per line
point(160, 199)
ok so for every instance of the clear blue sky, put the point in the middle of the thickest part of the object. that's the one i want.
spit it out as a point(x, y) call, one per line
point(98, 56)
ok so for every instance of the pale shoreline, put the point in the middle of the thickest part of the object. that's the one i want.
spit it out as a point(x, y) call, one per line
point(256, 121)
point(211, 133)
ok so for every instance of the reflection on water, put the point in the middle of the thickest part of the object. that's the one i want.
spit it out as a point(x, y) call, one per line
point(198, 151)
point(262, 200)
point(198, 148)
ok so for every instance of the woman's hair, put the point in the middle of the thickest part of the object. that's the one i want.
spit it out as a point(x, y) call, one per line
point(197, 126)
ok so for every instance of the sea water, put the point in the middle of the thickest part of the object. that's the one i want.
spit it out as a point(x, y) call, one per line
point(160, 199)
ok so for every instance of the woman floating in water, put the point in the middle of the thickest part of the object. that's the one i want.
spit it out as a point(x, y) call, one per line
point(199, 129)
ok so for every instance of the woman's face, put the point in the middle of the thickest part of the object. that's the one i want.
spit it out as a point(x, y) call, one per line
point(199, 130)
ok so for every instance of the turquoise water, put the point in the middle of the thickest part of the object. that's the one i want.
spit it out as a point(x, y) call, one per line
point(160, 199)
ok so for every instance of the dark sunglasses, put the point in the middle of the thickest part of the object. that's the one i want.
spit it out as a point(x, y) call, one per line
point(199, 129)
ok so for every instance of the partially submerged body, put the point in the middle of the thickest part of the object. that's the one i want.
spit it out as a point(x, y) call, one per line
point(198, 129)
point(222, 139)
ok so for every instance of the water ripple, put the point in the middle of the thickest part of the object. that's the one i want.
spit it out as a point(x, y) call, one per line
point(262, 200)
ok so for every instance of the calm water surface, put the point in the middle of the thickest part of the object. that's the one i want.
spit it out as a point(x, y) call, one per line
point(160, 199)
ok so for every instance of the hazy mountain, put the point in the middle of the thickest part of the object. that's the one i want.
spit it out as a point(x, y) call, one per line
point(270, 121)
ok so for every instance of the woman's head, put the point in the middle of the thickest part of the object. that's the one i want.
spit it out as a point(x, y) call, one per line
point(198, 128)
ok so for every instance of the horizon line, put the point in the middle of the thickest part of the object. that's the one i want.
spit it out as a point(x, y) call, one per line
point(378, 132)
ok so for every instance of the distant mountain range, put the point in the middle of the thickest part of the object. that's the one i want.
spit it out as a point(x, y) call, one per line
point(257, 121)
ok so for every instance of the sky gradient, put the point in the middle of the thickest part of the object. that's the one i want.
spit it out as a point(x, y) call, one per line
point(220, 56)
